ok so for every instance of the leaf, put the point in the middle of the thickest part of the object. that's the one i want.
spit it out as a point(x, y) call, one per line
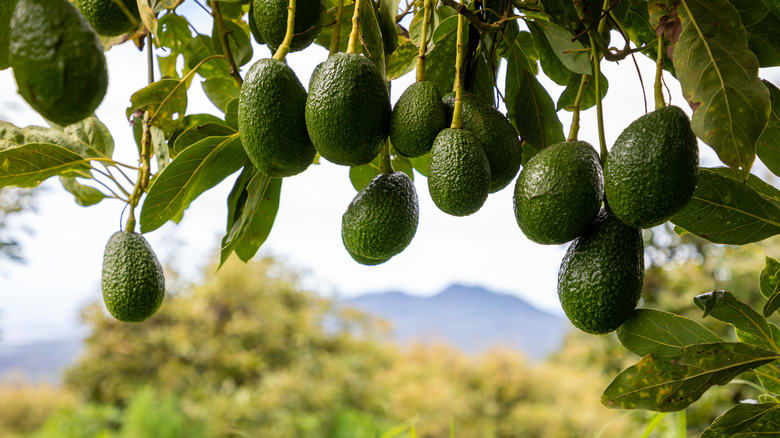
point(194, 170)
point(635, 19)
point(149, 17)
point(440, 62)
point(723, 306)
point(174, 33)
point(386, 14)
point(551, 65)
point(200, 132)
point(719, 78)
point(6, 11)
point(672, 384)
point(160, 148)
point(520, 47)
point(10, 135)
point(200, 48)
point(420, 164)
point(88, 138)
point(569, 95)
point(761, 19)
point(402, 61)
point(231, 114)
point(85, 195)
point(192, 121)
point(661, 334)
point(360, 176)
point(163, 99)
point(220, 90)
point(238, 41)
point(30, 164)
point(572, 54)
point(746, 420)
point(769, 374)
point(769, 283)
point(768, 146)
point(254, 207)
point(725, 210)
point(415, 28)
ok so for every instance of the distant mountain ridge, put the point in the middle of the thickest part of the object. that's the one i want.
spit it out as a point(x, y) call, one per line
point(471, 318)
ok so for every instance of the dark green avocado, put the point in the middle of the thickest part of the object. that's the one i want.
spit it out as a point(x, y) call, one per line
point(110, 17)
point(418, 117)
point(270, 18)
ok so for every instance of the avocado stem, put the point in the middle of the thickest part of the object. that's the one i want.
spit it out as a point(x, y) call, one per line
point(659, 71)
point(335, 40)
point(575, 117)
point(223, 41)
point(284, 48)
point(423, 41)
point(354, 36)
point(457, 112)
point(387, 163)
point(599, 107)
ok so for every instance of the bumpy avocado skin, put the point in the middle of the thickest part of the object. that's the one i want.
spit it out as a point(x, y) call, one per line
point(272, 120)
point(652, 169)
point(601, 275)
point(348, 110)
point(418, 117)
point(558, 193)
point(133, 283)
point(108, 18)
point(57, 59)
point(270, 17)
point(458, 172)
point(502, 146)
point(382, 219)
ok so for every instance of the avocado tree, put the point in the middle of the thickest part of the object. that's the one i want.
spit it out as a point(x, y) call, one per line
point(447, 129)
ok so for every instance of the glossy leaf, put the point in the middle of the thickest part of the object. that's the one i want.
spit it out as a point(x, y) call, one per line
point(164, 99)
point(220, 90)
point(200, 132)
point(761, 19)
point(724, 306)
point(192, 121)
point(770, 286)
point(746, 420)
point(30, 164)
point(84, 195)
point(768, 146)
point(661, 334)
point(569, 95)
point(402, 61)
point(551, 65)
point(725, 210)
point(719, 78)
point(194, 170)
point(200, 48)
point(572, 54)
point(635, 19)
point(6, 10)
point(238, 41)
point(672, 384)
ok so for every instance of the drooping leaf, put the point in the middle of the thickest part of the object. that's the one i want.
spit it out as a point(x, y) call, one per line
point(725, 210)
point(724, 306)
point(569, 95)
point(572, 54)
point(194, 170)
point(672, 384)
point(661, 334)
point(761, 19)
point(402, 61)
point(220, 90)
point(30, 164)
point(148, 17)
point(770, 286)
point(6, 10)
point(84, 195)
point(719, 78)
point(551, 65)
point(386, 15)
point(163, 99)
point(746, 420)
point(768, 146)
point(238, 40)
point(370, 25)
point(520, 47)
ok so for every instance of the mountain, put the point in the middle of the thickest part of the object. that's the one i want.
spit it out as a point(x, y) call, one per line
point(39, 361)
point(468, 317)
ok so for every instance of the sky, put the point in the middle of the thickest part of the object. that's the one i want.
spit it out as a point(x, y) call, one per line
point(63, 243)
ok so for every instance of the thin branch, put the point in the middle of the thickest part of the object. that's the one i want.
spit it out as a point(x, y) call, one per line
point(223, 40)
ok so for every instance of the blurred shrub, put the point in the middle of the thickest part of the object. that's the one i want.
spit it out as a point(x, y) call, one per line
point(25, 407)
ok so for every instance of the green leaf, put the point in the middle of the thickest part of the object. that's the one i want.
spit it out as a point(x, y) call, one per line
point(192, 121)
point(200, 48)
point(238, 40)
point(440, 62)
point(84, 195)
point(194, 170)
point(323, 39)
point(635, 19)
point(725, 210)
point(89, 138)
point(231, 114)
point(160, 148)
point(769, 374)
point(402, 61)
point(163, 99)
point(30, 164)
point(371, 28)
point(769, 282)
point(148, 16)
point(174, 33)
point(569, 95)
point(761, 19)
point(768, 146)
point(420, 164)
point(360, 176)
point(6, 11)
point(200, 132)
point(253, 206)
point(724, 306)
point(387, 10)
point(10, 135)
point(220, 90)
point(572, 54)
point(746, 420)
point(719, 78)
point(661, 334)
point(415, 28)
point(672, 384)
point(520, 47)
point(551, 65)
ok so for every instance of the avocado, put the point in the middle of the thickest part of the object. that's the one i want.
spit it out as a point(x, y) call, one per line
point(272, 120)
point(652, 169)
point(381, 220)
point(417, 118)
point(558, 193)
point(57, 60)
point(270, 17)
point(601, 275)
point(348, 110)
point(110, 17)
point(497, 135)
point(133, 283)
point(458, 172)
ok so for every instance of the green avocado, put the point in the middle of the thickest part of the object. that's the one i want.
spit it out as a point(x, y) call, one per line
point(110, 17)
point(57, 59)
point(272, 121)
point(381, 220)
point(418, 117)
point(502, 146)
point(601, 275)
point(133, 283)
point(270, 17)
point(558, 193)
point(348, 110)
point(458, 172)
point(652, 169)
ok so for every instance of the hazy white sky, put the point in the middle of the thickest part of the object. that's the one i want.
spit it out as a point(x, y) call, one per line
point(41, 299)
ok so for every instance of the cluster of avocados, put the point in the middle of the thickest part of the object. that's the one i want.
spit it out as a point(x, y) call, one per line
point(648, 176)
